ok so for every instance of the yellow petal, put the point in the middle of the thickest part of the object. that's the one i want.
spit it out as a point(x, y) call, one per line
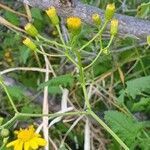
point(19, 146)
point(41, 142)
point(13, 143)
point(33, 144)
point(26, 146)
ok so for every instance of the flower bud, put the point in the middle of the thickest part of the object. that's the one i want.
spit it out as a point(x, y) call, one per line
point(4, 132)
point(74, 24)
point(114, 27)
point(110, 10)
point(29, 44)
point(52, 14)
point(31, 30)
point(106, 51)
point(96, 19)
point(148, 40)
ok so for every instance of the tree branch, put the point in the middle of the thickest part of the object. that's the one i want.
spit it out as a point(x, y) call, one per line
point(129, 26)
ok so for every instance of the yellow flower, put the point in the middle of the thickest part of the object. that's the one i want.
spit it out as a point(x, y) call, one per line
point(27, 139)
point(74, 24)
point(52, 13)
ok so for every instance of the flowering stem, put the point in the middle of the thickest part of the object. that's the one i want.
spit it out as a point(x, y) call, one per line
point(9, 97)
point(98, 34)
point(66, 53)
point(82, 79)
point(60, 34)
point(111, 39)
point(52, 42)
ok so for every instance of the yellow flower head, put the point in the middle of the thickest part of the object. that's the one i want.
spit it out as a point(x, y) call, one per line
point(110, 10)
point(31, 30)
point(96, 19)
point(52, 13)
point(114, 27)
point(74, 24)
point(27, 139)
point(29, 44)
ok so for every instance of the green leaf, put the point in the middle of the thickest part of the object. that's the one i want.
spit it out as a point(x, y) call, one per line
point(136, 86)
point(13, 18)
point(143, 10)
point(54, 90)
point(64, 80)
point(144, 144)
point(24, 54)
point(36, 13)
point(125, 127)
point(142, 105)
point(16, 92)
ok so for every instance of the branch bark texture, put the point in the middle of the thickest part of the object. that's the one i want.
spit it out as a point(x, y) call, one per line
point(129, 26)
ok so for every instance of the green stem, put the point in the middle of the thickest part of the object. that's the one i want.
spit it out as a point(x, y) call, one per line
point(141, 62)
point(37, 59)
point(52, 42)
point(109, 130)
point(98, 34)
point(53, 115)
point(82, 79)
point(111, 39)
point(9, 97)
point(10, 121)
point(60, 34)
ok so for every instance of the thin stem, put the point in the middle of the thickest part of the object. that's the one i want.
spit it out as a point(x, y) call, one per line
point(111, 39)
point(141, 62)
point(60, 35)
point(37, 59)
point(50, 55)
point(52, 42)
point(99, 33)
point(51, 116)
point(64, 44)
point(109, 130)
point(9, 97)
point(10, 121)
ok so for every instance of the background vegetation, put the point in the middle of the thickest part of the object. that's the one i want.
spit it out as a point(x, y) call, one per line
point(120, 82)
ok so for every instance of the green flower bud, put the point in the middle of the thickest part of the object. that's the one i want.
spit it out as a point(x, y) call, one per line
point(110, 10)
point(148, 40)
point(96, 19)
point(114, 27)
point(4, 132)
point(29, 44)
point(31, 30)
point(52, 13)
point(106, 51)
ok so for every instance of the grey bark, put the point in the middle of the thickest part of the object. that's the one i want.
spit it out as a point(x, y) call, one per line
point(128, 26)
